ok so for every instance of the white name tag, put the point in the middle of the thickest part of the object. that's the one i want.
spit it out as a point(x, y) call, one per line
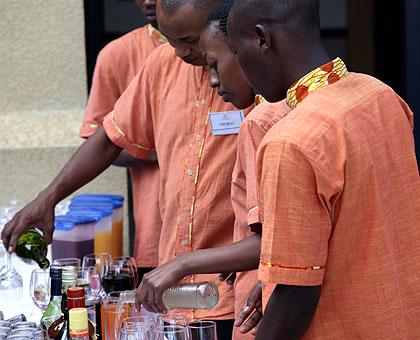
point(226, 123)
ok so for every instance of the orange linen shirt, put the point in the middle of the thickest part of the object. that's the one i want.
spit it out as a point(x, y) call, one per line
point(244, 189)
point(116, 66)
point(166, 108)
point(340, 195)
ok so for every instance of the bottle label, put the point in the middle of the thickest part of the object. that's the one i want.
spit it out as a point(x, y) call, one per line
point(79, 333)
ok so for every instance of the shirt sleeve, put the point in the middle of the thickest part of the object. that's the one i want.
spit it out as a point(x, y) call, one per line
point(131, 124)
point(250, 138)
point(297, 223)
point(104, 93)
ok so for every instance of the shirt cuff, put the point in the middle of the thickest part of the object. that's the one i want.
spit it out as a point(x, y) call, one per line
point(88, 129)
point(290, 275)
point(254, 216)
point(118, 137)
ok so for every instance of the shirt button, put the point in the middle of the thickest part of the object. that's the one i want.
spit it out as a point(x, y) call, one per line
point(189, 172)
point(203, 101)
point(197, 137)
point(184, 243)
point(186, 208)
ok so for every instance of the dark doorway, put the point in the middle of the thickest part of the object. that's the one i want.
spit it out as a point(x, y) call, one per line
point(106, 20)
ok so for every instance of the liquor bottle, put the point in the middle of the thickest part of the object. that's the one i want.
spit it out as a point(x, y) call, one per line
point(76, 298)
point(69, 281)
point(191, 296)
point(60, 328)
point(53, 311)
point(79, 327)
point(31, 246)
point(98, 324)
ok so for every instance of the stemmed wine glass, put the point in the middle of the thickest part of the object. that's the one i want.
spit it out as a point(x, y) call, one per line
point(102, 261)
point(40, 288)
point(10, 280)
point(127, 264)
point(121, 276)
point(90, 280)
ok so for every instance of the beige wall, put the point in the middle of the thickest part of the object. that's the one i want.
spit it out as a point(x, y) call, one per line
point(42, 95)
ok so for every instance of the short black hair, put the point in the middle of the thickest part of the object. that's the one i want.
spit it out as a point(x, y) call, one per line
point(293, 15)
point(170, 7)
point(219, 17)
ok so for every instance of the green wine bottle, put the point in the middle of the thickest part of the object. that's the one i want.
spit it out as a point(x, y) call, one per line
point(53, 311)
point(31, 246)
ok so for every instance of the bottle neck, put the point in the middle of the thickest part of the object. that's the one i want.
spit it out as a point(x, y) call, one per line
point(55, 288)
point(42, 261)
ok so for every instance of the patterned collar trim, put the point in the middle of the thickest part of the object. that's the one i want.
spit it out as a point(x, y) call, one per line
point(320, 77)
point(259, 99)
point(156, 34)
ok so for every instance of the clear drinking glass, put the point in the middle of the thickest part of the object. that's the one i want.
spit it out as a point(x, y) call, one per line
point(172, 319)
point(67, 262)
point(113, 313)
point(171, 333)
point(203, 330)
point(139, 321)
point(135, 333)
point(101, 261)
point(39, 288)
point(90, 280)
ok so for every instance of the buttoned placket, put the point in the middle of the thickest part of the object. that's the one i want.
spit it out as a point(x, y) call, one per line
point(191, 176)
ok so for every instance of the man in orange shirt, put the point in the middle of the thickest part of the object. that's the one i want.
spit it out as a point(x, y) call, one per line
point(116, 66)
point(165, 109)
point(339, 185)
point(230, 81)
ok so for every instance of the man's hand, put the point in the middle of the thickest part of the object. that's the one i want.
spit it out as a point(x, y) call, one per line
point(37, 214)
point(289, 312)
point(250, 316)
point(229, 278)
point(150, 291)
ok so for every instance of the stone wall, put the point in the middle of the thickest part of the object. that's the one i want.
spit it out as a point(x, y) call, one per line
point(42, 95)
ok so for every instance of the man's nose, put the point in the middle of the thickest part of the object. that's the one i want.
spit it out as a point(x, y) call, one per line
point(183, 52)
point(149, 3)
point(214, 79)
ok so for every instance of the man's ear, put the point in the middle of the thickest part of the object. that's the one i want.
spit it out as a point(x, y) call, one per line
point(264, 37)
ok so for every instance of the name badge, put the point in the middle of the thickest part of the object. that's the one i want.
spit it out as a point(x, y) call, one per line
point(226, 123)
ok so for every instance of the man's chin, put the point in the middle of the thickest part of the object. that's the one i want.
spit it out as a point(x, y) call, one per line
point(153, 22)
point(194, 61)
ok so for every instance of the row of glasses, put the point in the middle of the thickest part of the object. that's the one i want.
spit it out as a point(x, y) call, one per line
point(97, 273)
point(87, 277)
point(166, 327)
point(19, 330)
